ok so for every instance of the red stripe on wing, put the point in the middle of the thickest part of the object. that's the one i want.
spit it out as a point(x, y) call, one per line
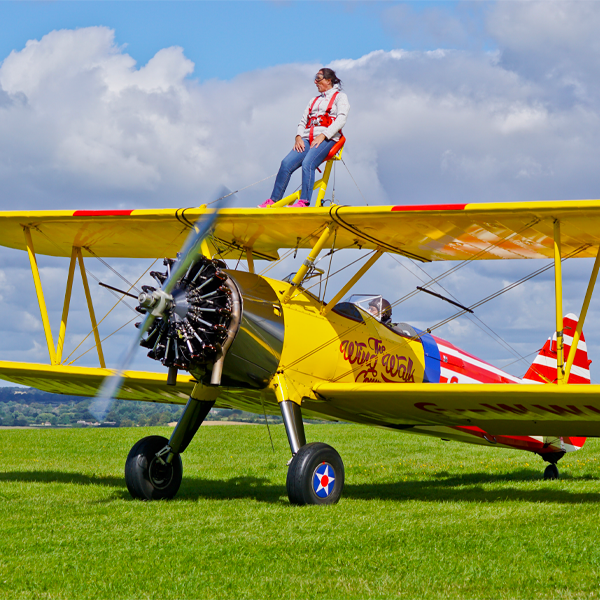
point(429, 207)
point(102, 213)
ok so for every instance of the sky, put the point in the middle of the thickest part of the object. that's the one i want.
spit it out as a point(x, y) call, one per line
point(155, 104)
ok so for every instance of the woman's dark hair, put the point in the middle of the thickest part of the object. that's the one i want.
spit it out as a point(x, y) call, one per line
point(330, 74)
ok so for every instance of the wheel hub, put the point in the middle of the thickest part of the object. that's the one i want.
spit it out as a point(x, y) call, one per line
point(160, 473)
point(323, 480)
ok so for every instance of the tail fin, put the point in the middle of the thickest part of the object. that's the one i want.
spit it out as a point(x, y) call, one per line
point(543, 368)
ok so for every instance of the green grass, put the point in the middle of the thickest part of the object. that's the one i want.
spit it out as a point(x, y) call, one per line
point(419, 518)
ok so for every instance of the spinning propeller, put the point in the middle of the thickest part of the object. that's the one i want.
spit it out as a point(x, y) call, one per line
point(174, 312)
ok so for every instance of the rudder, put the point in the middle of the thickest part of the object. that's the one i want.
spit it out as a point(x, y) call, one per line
point(543, 368)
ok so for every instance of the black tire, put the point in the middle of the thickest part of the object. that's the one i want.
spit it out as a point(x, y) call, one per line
point(313, 464)
point(551, 472)
point(146, 477)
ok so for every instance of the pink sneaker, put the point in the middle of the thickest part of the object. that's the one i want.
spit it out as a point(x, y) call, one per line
point(266, 203)
point(300, 204)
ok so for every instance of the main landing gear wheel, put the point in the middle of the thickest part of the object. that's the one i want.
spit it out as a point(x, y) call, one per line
point(551, 472)
point(149, 478)
point(315, 475)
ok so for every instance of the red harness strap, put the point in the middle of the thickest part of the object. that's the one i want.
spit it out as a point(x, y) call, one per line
point(323, 120)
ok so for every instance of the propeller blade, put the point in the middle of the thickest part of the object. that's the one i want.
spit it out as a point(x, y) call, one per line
point(189, 254)
point(105, 396)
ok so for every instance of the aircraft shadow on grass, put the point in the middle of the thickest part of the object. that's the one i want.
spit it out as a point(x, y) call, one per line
point(60, 477)
point(437, 488)
point(258, 488)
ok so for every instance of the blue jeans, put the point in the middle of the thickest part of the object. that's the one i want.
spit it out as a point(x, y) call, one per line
point(310, 159)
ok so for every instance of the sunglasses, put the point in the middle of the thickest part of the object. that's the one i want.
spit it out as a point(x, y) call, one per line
point(319, 78)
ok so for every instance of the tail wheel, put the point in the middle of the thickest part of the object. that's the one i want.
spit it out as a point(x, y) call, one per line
point(315, 475)
point(551, 472)
point(149, 478)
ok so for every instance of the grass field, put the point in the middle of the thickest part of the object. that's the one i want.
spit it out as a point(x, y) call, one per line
point(419, 518)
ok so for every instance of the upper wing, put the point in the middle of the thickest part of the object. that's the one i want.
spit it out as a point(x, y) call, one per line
point(500, 409)
point(424, 232)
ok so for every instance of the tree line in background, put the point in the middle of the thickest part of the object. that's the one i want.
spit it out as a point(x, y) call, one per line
point(22, 407)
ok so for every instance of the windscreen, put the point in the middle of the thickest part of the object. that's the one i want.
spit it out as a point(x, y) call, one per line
point(370, 303)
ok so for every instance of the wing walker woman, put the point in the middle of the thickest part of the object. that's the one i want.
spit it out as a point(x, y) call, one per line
point(319, 129)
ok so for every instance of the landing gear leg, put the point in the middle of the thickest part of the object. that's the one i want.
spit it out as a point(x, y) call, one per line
point(294, 426)
point(316, 471)
point(551, 471)
point(153, 470)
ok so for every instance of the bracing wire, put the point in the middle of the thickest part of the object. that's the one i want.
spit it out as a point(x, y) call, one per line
point(331, 253)
point(241, 189)
point(512, 362)
point(507, 288)
point(483, 327)
point(463, 263)
point(441, 323)
point(119, 298)
point(262, 400)
point(102, 340)
point(344, 267)
point(356, 184)
point(106, 315)
point(490, 332)
point(131, 285)
point(289, 252)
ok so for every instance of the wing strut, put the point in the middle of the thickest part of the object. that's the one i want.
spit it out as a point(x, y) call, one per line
point(250, 260)
point(40, 294)
point(76, 256)
point(65, 314)
point(310, 260)
point(560, 364)
point(352, 281)
point(88, 297)
point(582, 315)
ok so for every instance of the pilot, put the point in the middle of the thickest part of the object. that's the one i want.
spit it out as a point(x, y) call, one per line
point(318, 131)
point(381, 309)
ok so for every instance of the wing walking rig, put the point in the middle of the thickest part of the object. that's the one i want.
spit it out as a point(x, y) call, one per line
point(251, 342)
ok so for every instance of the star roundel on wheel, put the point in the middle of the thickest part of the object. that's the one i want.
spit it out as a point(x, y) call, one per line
point(323, 480)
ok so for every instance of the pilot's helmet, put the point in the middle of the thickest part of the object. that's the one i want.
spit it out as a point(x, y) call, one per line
point(381, 309)
point(386, 311)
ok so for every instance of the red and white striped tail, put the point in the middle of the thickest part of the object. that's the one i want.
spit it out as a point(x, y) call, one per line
point(543, 369)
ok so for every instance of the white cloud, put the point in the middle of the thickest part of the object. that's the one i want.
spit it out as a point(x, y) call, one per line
point(553, 42)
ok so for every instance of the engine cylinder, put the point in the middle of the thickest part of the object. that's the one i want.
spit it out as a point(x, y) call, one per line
point(195, 325)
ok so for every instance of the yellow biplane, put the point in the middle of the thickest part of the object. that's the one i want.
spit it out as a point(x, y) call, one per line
point(236, 339)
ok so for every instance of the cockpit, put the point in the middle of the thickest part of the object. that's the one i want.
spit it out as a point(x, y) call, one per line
point(375, 305)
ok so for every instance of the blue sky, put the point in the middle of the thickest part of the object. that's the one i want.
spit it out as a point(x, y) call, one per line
point(155, 104)
point(227, 38)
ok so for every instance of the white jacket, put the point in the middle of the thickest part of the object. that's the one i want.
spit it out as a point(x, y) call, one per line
point(339, 112)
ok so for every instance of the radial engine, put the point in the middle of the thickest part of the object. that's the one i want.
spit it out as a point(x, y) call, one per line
point(223, 330)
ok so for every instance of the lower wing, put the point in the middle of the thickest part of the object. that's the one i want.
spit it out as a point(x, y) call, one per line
point(84, 381)
point(500, 409)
